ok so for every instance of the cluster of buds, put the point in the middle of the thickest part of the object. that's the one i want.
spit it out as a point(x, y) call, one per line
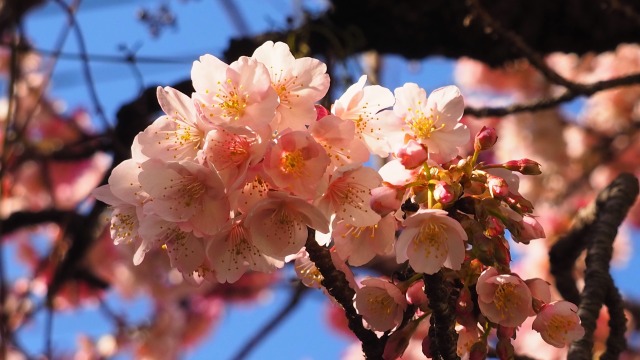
point(231, 178)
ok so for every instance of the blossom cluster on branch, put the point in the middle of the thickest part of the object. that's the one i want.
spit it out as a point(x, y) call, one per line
point(230, 180)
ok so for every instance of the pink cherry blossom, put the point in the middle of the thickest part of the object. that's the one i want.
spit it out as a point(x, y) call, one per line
point(380, 303)
point(431, 240)
point(503, 298)
point(232, 253)
point(124, 193)
point(230, 152)
point(348, 196)
point(337, 136)
point(433, 121)
point(558, 323)
point(297, 163)
point(362, 104)
point(358, 245)
point(278, 224)
point(236, 95)
point(299, 83)
point(179, 134)
point(185, 250)
point(185, 192)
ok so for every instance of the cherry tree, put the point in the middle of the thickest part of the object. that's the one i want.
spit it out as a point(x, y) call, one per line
point(475, 220)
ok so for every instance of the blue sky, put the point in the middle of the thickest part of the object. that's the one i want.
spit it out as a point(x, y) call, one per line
point(202, 27)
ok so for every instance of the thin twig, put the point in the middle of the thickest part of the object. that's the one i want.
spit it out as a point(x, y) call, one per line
point(86, 69)
point(522, 47)
point(262, 334)
point(542, 104)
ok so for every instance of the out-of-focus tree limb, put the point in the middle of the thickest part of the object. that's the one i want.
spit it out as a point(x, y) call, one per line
point(417, 29)
point(595, 229)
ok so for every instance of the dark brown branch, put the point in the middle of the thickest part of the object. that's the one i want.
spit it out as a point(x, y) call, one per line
point(279, 317)
point(495, 27)
point(336, 284)
point(442, 333)
point(611, 207)
point(588, 90)
point(567, 249)
point(416, 29)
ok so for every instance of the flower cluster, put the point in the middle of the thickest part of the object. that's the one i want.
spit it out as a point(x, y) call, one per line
point(230, 179)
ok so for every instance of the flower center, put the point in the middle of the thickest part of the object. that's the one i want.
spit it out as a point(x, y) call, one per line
point(423, 126)
point(432, 238)
point(559, 327)
point(506, 298)
point(292, 163)
point(191, 191)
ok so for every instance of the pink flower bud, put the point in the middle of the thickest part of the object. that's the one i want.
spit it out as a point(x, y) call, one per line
point(412, 154)
point(321, 111)
point(497, 186)
point(485, 139)
point(524, 166)
point(385, 199)
point(528, 229)
point(444, 193)
point(416, 295)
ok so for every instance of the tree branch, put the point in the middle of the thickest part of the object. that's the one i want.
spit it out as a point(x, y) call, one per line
point(336, 284)
point(610, 209)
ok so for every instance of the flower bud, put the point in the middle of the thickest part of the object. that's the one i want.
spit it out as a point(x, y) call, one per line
point(485, 139)
point(321, 111)
point(412, 154)
point(444, 193)
point(385, 199)
point(494, 227)
point(524, 166)
point(528, 229)
point(497, 186)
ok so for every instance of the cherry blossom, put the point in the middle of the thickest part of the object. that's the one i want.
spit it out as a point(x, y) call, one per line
point(299, 83)
point(348, 196)
point(362, 105)
point(278, 224)
point(380, 303)
point(338, 138)
point(433, 121)
point(232, 253)
point(230, 152)
point(430, 240)
point(296, 163)
point(558, 323)
point(238, 95)
point(179, 134)
point(504, 299)
point(358, 245)
point(185, 192)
